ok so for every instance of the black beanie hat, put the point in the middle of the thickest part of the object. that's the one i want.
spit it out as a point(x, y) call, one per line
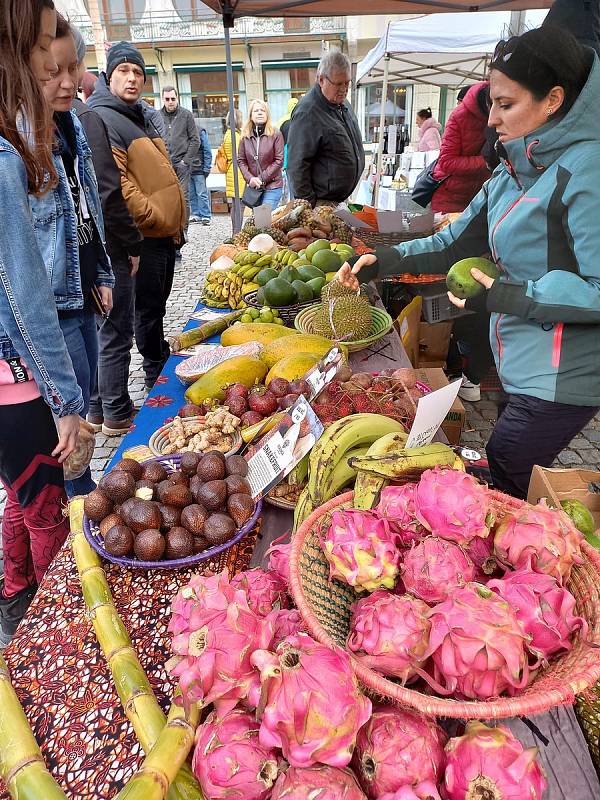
point(123, 53)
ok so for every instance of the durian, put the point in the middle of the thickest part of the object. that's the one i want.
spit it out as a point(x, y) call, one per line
point(344, 315)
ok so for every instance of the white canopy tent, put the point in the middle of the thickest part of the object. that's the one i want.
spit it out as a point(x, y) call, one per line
point(439, 49)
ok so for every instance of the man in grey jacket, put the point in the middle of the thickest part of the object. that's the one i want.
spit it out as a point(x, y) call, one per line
point(181, 136)
point(325, 151)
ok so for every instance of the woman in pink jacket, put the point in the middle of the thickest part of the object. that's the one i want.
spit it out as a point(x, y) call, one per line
point(429, 131)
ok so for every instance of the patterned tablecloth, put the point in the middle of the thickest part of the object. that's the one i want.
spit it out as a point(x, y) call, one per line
point(57, 668)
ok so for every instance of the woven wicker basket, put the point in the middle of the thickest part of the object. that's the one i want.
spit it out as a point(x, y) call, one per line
point(287, 313)
point(159, 441)
point(382, 323)
point(376, 239)
point(325, 607)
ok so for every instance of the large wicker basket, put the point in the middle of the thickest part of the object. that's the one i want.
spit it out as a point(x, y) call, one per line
point(325, 607)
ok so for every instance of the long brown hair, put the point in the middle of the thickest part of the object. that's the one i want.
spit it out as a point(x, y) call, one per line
point(22, 102)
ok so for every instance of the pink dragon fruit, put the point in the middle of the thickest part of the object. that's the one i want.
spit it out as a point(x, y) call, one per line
point(265, 590)
point(491, 763)
point(545, 610)
point(389, 633)
point(541, 539)
point(422, 791)
point(214, 633)
point(481, 553)
point(279, 558)
point(433, 568)
point(361, 550)
point(396, 749)
point(317, 783)
point(453, 505)
point(229, 762)
point(477, 645)
point(397, 505)
point(286, 622)
point(311, 705)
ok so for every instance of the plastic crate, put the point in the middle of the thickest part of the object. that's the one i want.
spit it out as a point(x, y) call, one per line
point(436, 306)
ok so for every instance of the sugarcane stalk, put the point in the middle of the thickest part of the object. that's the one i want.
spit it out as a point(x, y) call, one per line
point(166, 758)
point(203, 332)
point(136, 695)
point(22, 766)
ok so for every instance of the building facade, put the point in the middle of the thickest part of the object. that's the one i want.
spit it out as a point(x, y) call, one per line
point(273, 59)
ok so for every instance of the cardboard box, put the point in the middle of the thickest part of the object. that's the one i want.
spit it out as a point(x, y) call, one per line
point(565, 484)
point(434, 340)
point(455, 419)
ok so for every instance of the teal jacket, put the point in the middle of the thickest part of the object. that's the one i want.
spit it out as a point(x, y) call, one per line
point(539, 217)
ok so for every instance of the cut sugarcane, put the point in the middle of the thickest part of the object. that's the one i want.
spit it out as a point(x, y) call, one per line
point(22, 766)
point(136, 695)
point(203, 332)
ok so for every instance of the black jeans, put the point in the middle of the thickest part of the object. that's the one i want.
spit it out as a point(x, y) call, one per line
point(138, 304)
point(530, 431)
point(154, 282)
point(472, 334)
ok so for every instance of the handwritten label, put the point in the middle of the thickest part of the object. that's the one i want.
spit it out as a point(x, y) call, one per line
point(431, 412)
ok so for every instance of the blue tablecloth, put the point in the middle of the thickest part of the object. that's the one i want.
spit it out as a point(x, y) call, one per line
point(162, 403)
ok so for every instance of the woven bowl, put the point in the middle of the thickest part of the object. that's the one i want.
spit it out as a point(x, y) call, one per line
point(228, 555)
point(382, 323)
point(287, 313)
point(159, 440)
point(325, 608)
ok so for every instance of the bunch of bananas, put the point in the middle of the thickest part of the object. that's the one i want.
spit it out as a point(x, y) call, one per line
point(367, 450)
point(283, 257)
point(227, 289)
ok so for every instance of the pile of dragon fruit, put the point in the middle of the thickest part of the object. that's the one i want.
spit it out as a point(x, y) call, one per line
point(288, 720)
point(472, 605)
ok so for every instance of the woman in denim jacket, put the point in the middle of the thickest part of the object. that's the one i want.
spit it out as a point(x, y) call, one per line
point(36, 374)
point(70, 230)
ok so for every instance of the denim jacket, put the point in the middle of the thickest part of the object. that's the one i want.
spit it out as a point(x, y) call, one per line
point(55, 223)
point(28, 318)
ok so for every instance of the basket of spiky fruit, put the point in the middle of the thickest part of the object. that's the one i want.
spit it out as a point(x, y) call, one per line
point(451, 598)
point(345, 316)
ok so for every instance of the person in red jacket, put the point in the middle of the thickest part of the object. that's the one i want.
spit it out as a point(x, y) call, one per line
point(460, 161)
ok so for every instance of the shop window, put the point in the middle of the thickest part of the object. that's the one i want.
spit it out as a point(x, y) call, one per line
point(205, 95)
point(396, 107)
point(281, 85)
point(150, 92)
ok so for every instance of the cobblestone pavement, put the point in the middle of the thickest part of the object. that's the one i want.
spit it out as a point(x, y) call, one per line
point(584, 450)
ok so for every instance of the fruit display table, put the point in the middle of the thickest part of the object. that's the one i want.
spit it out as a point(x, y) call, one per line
point(63, 682)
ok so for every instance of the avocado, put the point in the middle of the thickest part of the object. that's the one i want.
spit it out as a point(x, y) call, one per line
point(320, 244)
point(316, 284)
point(309, 272)
point(303, 291)
point(460, 281)
point(327, 260)
point(265, 275)
point(278, 292)
point(581, 516)
point(260, 295)
point(289, 274)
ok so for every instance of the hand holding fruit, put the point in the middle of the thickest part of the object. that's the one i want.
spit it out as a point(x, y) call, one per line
point(68, 436)
point(347, 275)
point(481, 278)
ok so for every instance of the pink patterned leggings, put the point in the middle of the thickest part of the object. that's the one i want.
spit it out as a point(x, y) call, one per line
point(33, 528)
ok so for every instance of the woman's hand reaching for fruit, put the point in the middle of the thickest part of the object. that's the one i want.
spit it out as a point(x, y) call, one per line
point(346, 274)
point(480, 277)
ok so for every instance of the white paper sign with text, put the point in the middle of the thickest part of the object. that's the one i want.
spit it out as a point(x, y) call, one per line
point(431, 412)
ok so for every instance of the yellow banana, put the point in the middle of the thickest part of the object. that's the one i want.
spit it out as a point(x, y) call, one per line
point(304, 508)
point(340, 437)
point(367, 487)
point(407, 463)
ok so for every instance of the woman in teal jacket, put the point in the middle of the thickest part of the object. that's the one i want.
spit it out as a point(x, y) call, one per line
point(538, 216)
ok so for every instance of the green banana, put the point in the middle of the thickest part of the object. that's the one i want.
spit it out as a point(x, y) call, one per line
point(300, 472)
point(264, 261)
point(252, 273)
point(340, 437)
point(251, 258)
point(408, 462)
point(304, 508)
point(367, 486)
point(343, 474)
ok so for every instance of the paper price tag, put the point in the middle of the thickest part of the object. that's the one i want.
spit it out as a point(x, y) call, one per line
point(431, 412)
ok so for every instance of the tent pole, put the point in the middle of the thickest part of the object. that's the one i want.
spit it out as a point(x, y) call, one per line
point(236, 217)
point(386, 67)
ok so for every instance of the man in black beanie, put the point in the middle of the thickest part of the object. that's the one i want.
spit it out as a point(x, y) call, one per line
point(156, 203)
point(579, 17)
